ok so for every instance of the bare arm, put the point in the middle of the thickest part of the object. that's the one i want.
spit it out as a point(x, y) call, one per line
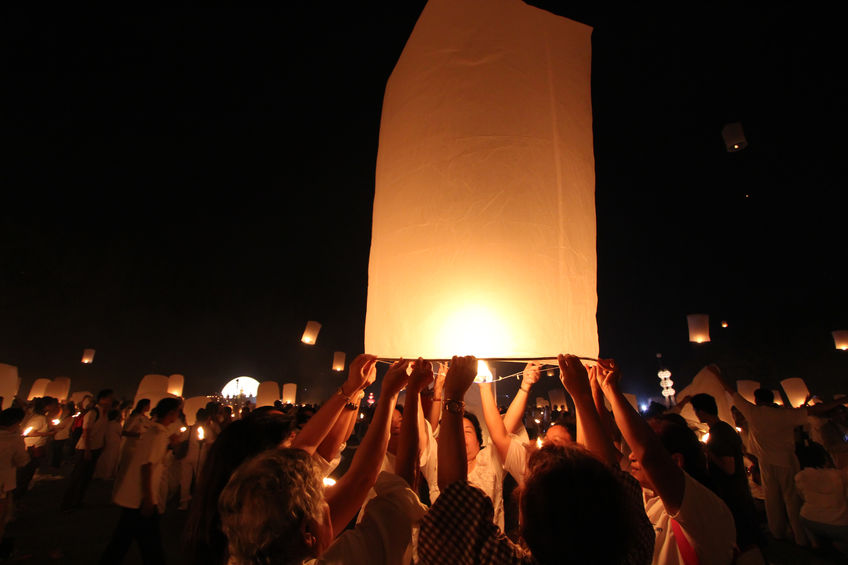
point(409, 442)
point(346, 497)
point(453, 466)
point(438, 398)
point(518, 407)
point(497, 428)
point(663, 473)
point(340, 432)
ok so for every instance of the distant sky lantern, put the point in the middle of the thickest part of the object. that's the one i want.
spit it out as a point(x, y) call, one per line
point(338, 361)
point(88, 356)
point(484, 374)
point(289, 393)
point(840, 339)
point(310, 334)
point(240, 385)
point(734, 137)
point(699, 328)
point(175, 384)
point(485, 162)
point(267, 393)
point(38, 388)
point(724, 324)
point(796, 391)
point(557, 397)
point(9, 383)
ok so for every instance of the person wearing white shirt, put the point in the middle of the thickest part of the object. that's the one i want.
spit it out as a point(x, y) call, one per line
point(89, 448)
point(824, 491)
point(137, 492)
point(13, 455)
point(37, 432)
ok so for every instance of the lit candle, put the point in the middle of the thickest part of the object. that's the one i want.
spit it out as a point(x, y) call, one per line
point(328, 482)
point(705, 438)
point(56, 421)
point(182, 429)
point(200, 433)
point(28, 430)
point(539, 443)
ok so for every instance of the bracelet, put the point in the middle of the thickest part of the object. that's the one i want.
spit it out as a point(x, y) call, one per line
point(341, 393)
point(454, 406)
point(527, 390)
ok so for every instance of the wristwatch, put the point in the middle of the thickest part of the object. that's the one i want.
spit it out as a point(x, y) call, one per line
point(455, 406)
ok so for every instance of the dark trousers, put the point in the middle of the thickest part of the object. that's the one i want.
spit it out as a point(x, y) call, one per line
point(144, 530)
point(57, 452)
point(80, 477)
point(26, 473)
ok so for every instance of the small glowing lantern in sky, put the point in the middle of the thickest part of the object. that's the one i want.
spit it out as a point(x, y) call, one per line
point(557, 398)
point(338, 361)
point(796, 391)
point(666, 384)
point(247, 386)
point(699, 327)
point(484, 374)
point(840, 339)
point(310, 334)
point(267, 393)
point(88, 356)
point(486, 138)
point(734, 137)
point(289, 393)
point(724, 323)
point(9, 383)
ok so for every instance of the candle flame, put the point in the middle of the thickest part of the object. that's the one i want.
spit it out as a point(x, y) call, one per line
point(539, 443)
point(56, 421)
point(328, 482)
point(183, 428)
point(200, 433)
point(28, 430)
point(705, 438)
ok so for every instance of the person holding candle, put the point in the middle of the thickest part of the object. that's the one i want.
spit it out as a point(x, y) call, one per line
point(13, 456)
point(38, 432)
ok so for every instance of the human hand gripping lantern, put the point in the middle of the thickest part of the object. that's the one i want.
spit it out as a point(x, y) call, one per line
point(483, 237)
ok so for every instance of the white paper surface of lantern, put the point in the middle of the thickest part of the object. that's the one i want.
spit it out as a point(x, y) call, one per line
point(485, 166)
point(38, 388)
point(705, 381)
point(191, 406)
point(59, 388)
point(339, 361)
point(267, 393)
point(9, 383)
point(240, 385)
point(310, 334)
point(557, 398)
point(289, 393)
point(746, 389)
point(87, 356)
point(777, 398)
point(796, 391)
point(176, 382)
point(699, 327)
point(734, 137)
point(840, 339)
point(152, 384)
point(153, 396)
point(78, 396)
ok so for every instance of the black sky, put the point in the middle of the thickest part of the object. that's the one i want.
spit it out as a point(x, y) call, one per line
point(185, 186)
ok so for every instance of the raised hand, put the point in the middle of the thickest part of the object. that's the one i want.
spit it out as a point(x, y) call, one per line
point(530, 375)
point(363, 371)
point(396, 377)
point(573, 375)
point(609, 375)
point(460, 375)
point(421, 377)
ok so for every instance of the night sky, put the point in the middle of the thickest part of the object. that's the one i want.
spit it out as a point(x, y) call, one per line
point(185, 186)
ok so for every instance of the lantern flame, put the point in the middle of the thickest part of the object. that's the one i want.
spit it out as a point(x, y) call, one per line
point(484, 374)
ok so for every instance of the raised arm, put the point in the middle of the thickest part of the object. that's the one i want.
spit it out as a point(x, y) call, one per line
point(345, 498)
point(497, 427)
point(518, 407)
point(341, 430)
point(453, 465)
point(435, 412)
point(659, 468)
point(319, 425)
point(575, 379)
point(409, 442)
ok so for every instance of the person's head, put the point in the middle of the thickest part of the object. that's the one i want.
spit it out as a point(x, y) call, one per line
point(764, 397)
point(705, 407)
point(104, 398)
point(473, 435)
point(142, 406)
point(681, 443)
point(571, 502)
point(273, 509)
point(201, 417)
point(559, 434)
point(10, 418)
point(167, 411)
point(814, 455)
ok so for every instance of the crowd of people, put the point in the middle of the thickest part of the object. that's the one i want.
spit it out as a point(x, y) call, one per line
point(427, 480)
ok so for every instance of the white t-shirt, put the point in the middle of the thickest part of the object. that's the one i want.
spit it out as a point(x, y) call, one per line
point(96, 427)
point(38, 423)
point(771, 431)
point(152, 448)
point(824, 494)
point(13, 454)
point(705, 520)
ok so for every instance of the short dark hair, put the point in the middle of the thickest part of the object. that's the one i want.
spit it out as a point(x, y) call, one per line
point(11, 416)
point(705, 403)
point(476, 423)
point(104, 393)
point(764, 396)
point(677, 437)
point(164, 406)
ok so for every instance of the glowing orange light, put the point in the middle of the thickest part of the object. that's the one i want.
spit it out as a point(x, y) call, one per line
point(200, 433)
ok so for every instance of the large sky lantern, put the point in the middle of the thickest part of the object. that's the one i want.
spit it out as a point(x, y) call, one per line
point(339, 361)
point(175, 384)
point(191, 406)
point(248, 386)
point(59, 388)
point(796, 391)
point(746, 389)
point(38, 388)
point(9, 383)
point(840, 339)
point(267, 393)
point(485, 169)
point(289, 393)
point(87, 356)
point(310, 333)
point(699, 327)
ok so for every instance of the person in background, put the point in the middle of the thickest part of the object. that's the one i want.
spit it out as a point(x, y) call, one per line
point(13, 456)
point(89, 448)
point(63, 433)
point(135, 425)
point(194, 457)
point(823, 489)
point(107, 465)
point(37, 432)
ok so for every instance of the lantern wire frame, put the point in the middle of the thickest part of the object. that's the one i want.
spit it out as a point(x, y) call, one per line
point(546, 361)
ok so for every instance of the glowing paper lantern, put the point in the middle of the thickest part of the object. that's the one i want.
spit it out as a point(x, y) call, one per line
point(310, 334)
point(79, 396)
point(777, 398)
point(796, 391)
point(557, 397)
point(9, 383)
point(734, 137)
point(699, 327)
point(338, 361)
point(289, 393)
point(484, 374)
point(152, 383)
point(175, 384)
point(706, 382)
point(486, 139)
point(38, 389)
point(153, 397)
point(840, 339)
point(267, 393)
point(191, 406)
point(541, 402)
point(746, 389)
point(247, 386)
point(87, 356)
point(59, 388)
